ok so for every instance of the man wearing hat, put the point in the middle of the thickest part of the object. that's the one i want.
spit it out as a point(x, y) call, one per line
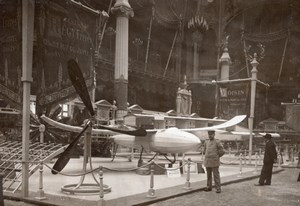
point(213, 150)
point(270, 157)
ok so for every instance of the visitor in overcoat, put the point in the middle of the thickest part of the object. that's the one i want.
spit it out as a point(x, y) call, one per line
point(213, 150)
point(270, 157)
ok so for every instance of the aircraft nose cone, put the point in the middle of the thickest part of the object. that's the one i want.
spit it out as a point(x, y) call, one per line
point(195, 140)
point(174, 140)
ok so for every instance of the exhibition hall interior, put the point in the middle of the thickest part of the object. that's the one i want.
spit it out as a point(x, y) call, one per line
point(132, 81)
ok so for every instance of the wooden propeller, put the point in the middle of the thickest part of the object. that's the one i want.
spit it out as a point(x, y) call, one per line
point(78, 83)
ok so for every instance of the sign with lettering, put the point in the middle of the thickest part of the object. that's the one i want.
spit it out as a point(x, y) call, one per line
point(234, 99)
point(64, 31)
point(293, 116)
point(173, 171)
point(193, 168)
point(11, 52)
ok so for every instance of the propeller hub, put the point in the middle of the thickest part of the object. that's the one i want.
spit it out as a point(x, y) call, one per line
point(42, 128)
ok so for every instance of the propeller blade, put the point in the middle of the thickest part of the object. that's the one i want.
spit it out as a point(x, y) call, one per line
point(129, 130)
point(33, 119)
point(33, 134)
point(48, 110)
point(64, 119)
point(56, 113)
point(63, 160)
point(49, 136)
point(78, 83)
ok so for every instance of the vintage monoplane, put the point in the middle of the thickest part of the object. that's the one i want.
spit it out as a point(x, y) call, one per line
point(163, 141)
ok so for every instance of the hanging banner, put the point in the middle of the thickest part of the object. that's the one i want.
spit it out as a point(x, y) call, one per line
point(234, 99)
point(64, 31)
point(11, 52)
point(293, 116)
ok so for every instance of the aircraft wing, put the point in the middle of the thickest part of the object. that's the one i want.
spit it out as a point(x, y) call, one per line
point(234, 121)
point(202, 131)
point(245, 133)
point(76, 129)
point(197, 131)
point(273, 134)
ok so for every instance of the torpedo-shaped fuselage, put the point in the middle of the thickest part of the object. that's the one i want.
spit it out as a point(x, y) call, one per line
point(171, 140)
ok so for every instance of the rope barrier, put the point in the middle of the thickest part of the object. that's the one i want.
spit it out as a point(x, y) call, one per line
point(255, 171)
point(188, 183)
point(41, 193)
point(244, 157)
point(101, 191)
point(96, 169)
point(241, 167)
point(101, 169)
point(232, 162)
point(151, 191)
point(128, 170)
point(173, 168)
point(236, 161)
point(73, 175)
point(279, 160)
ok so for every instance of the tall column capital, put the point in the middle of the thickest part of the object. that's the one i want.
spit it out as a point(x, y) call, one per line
point(122, 8)
point(225, 58)
point(254, 64)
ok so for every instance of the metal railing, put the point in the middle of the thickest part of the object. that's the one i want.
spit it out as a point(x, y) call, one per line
point(11, 161)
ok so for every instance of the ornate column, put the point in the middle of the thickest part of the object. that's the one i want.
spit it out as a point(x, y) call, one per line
point(197, 38)
point(254, 64)
point(27, 53)
point(225, 62)
point(123, 11)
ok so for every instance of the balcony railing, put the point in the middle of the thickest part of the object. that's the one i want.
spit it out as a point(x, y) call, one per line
point(153, 70)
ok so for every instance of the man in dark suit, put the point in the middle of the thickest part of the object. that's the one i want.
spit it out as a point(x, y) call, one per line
point(270, 157)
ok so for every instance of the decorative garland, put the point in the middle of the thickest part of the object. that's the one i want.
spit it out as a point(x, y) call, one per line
point(282, 34)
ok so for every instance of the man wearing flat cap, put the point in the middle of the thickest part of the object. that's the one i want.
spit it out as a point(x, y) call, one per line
point(270, 157)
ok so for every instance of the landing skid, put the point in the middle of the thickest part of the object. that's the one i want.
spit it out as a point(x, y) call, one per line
point(140, 161)
point(171, 161)
point(115, 148)
point(115, 151)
